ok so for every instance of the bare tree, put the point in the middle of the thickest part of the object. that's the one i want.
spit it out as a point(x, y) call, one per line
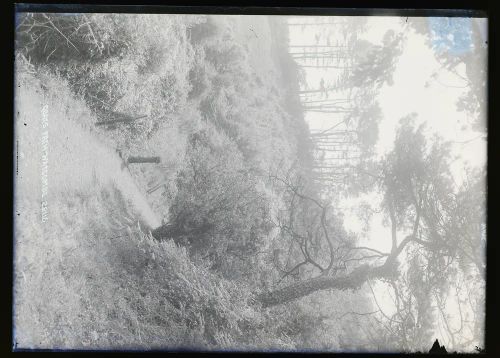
point(416, 185)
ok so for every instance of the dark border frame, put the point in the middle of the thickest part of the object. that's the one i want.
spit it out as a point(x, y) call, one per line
point(249, 10)
point(458, 8)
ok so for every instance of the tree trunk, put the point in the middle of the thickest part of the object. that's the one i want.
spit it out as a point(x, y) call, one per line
point(354, 280)
point(318, 55)
point(174, 231)
point(317, 90)
point(325, 66)
point(166, 231)
point(155, 188)
point(155, 160)
point(328, 101)
point(319, 46)
point(316, 51)
point(120, 119)
point(325, 111)
point(326, 107)
point(314, 24)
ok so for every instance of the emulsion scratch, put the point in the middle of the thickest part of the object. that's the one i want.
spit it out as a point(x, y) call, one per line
point(45, 161)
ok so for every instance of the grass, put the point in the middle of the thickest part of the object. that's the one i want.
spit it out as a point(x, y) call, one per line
point(91, 276)
point(88, 193)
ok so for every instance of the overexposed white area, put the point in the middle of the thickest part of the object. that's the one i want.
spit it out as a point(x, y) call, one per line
point(421, 86)
point(414, 91)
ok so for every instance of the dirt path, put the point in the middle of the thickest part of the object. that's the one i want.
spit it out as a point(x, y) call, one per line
point(55, 154)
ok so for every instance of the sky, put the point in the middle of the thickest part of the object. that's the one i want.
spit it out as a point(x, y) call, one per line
point(413, 91)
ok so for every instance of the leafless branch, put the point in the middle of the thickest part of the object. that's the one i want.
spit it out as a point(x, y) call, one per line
point(369, 249)
point(59, 31)
point(357, 314)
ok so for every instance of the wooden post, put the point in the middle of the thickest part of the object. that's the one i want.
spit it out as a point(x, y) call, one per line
point(155, 188)
point(123, 119)
point(155, 160)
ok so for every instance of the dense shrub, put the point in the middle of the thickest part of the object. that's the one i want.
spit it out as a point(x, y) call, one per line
point(225, 55)
point(61, 37)
point(200, 76)
point(106, 284)
point(135, 64)
point(216, 132)
point(100, 85)
point(218, 209)
point(200, 33)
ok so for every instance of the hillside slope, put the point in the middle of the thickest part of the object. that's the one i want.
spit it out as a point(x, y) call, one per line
point(70, 189)
point(77, 160)
point(87, 274)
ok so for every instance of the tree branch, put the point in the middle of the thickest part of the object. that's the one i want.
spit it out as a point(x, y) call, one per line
point(55, 28)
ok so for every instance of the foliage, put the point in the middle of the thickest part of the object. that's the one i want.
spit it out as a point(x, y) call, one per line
point(378, 65)
point(103, 282)
point(206, 31)
point(218, 209)
point(231, 233)
point(131, 291)
point(117, 63)
point(457, 42)
point(60, 37)
point(446, 233)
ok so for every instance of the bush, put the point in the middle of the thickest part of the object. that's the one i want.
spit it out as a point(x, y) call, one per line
point(100, 85)
point(200, 33)
point(62, 37)
point(110, 285)
point(106, 284)
point(135, 64)
point(200, 76)
point(218, 210)
point(225, 55)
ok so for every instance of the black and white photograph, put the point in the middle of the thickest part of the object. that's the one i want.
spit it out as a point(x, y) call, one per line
point(253, 183)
